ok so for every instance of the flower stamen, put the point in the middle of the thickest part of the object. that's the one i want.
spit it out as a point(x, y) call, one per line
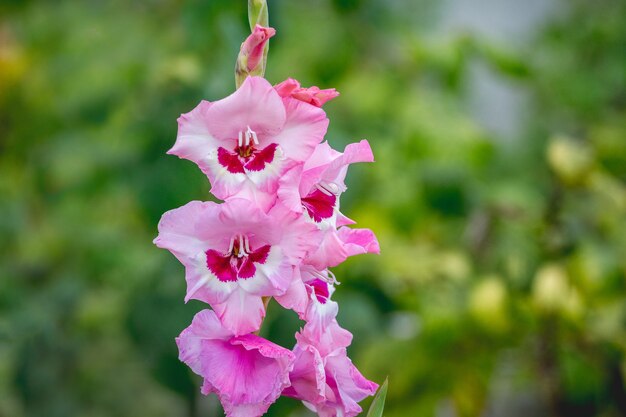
point(239, 246)
point(231, 245)
point(242, 251)
point(247, 244)
point(246, 141)
point(328, 188)
point(251, 134)
point(330, 278)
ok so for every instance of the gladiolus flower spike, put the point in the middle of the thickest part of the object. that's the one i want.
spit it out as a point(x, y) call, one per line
point(275, 235)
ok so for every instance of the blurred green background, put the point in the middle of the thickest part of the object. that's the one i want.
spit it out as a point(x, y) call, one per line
point(498, 195)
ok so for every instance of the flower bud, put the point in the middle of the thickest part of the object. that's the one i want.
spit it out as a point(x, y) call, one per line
point(251, 59)
point(287, 87)
point(252, 47)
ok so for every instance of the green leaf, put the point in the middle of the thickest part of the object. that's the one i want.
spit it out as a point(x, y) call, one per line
point(378, 405)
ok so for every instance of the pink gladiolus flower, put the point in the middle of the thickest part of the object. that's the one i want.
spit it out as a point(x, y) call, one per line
point(252, 47)
point(314, 189)
point(312, 95)
point(312, 300)
point(320, 310)
point(248, 373)
point(244, 142)
point(235, 254)
point(323, 376)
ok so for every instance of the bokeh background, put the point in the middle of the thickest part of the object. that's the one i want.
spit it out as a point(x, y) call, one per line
point(498, 195)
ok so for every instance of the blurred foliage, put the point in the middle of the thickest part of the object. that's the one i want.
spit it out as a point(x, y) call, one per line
point(501, 287)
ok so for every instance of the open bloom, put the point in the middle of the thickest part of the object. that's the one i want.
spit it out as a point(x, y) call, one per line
point(314, 189)
point(310, 297)
point(312, 95)
point(323, 376)
point(321, 310)
point(244, 142)
point(235, 254)
point(248, 373)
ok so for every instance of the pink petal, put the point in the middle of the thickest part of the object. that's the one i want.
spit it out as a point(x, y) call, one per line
point(225, 181)
point(323, 376)
point(189, 230)
point(194, 141)
point(320, 290)
point(312, 95)
point(296, 297)
point(304, 128)
point(315, 166)
point(259, 160)
point(321, 311)
point(244, 410)
point(230, 161)
point(331, 252)
point(288, 192)
point(326, 164)
point(287, 87)
point(247, 370)
point(308, 377)
point(319, 205)
point(343, 220)
point(255, 104)
point(353, 153)
point(358, 241)
point(248, 373)
point(257, 197)
point(205, 325)
point(265, 170)
point(265, 348)
point(358, 152)
point(299, 237)
point(327, 339)
point(242, 217)
point(241, 313)
point(276, 272)
point(322, 156)
point(352, 386)
point(221, 266)
point(315, 96)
